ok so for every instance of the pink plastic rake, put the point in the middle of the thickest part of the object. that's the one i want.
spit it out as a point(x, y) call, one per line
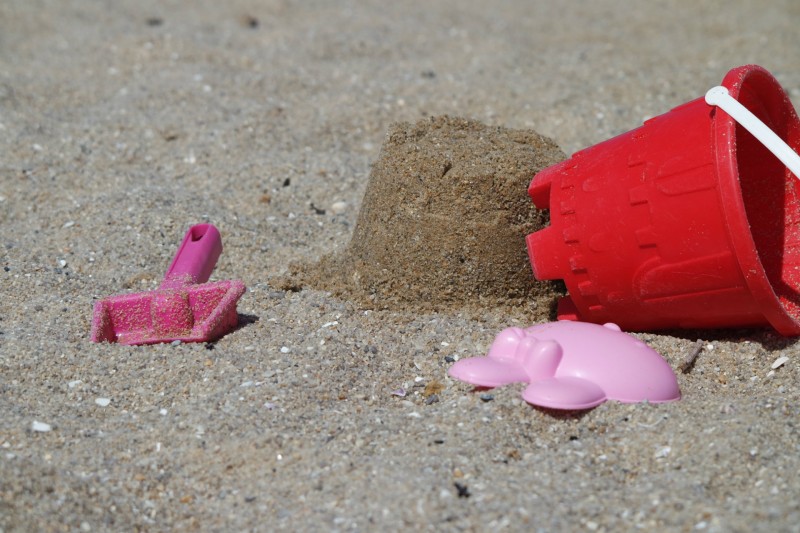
point(183, 308)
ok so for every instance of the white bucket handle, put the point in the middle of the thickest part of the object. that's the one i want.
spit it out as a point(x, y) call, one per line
point(719, 96)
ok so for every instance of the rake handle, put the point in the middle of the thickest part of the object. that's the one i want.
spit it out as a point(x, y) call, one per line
point(196, 257)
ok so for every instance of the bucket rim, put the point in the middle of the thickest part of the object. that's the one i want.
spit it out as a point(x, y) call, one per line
point(734, 211)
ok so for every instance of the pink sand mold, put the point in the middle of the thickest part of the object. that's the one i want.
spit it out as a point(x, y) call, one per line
point(573, 365)
point(183, 308)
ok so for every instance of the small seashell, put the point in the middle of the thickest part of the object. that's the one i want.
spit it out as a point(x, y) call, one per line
point(779, 362)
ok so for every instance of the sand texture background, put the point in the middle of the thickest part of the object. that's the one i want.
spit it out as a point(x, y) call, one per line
point(123, 123)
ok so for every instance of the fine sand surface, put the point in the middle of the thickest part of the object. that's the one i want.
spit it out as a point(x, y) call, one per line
point(123, 123)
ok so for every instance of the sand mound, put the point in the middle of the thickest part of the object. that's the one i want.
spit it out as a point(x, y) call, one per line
point(444, 220)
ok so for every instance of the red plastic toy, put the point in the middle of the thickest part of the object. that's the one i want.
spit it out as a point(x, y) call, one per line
point(687, 221)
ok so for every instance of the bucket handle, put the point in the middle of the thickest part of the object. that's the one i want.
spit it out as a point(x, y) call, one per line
point(719, 96)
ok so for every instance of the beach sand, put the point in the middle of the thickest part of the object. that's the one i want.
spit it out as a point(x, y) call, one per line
point(122, 124)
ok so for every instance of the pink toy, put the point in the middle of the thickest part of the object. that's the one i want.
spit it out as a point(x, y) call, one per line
point(184, 307)
point(573, 365)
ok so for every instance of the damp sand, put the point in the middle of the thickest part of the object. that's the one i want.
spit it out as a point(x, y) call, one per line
point(443, 222)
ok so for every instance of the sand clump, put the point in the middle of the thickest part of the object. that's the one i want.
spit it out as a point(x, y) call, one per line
point(443, 221)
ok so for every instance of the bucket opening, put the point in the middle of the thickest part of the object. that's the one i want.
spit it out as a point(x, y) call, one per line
point(770, 192)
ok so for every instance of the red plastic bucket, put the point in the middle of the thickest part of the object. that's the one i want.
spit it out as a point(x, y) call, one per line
point(687, 221)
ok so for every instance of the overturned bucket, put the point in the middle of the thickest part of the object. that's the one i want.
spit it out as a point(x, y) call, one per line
point(688, 221)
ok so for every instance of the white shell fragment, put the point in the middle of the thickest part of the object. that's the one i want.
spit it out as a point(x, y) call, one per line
point(663, 452)
point(41, 427)
point(779, 362)
point(337, 208)
point(103, 402)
